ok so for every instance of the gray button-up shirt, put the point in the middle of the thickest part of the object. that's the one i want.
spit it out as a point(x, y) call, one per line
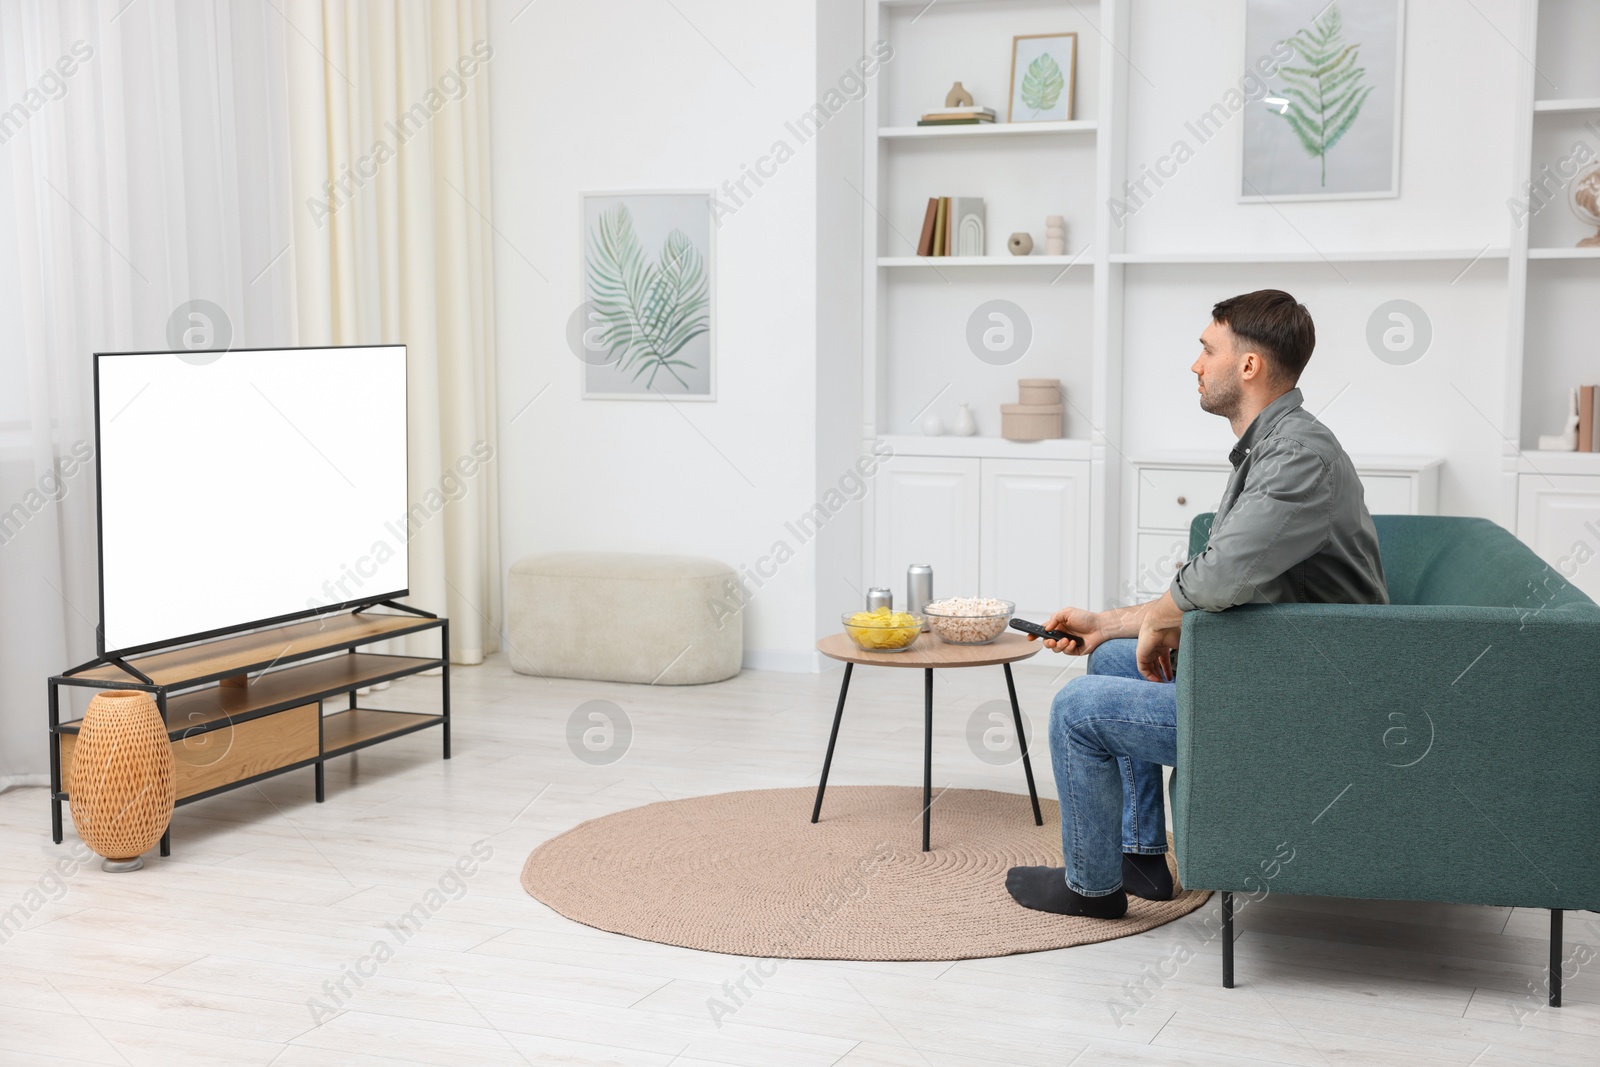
point(1292, 526)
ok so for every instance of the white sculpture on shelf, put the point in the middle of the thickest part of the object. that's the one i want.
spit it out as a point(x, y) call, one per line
point(1567, 439)
point(968, 213)
point(1055, 235)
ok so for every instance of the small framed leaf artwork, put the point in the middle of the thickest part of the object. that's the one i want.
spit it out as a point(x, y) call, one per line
point(1044, 67)
point(1328, 126)
point(646, 328)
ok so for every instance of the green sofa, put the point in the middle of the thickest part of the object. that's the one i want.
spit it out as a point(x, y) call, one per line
point(1443, 747)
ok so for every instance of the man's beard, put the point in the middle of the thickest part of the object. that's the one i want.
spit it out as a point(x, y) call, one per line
point(1221, 397)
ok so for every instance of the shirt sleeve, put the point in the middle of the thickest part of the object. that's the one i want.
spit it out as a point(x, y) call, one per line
point(1279, 519)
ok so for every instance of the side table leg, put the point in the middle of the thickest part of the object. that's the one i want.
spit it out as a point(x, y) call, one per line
point(1022, 741)
point(827, 761)
point(927, 757)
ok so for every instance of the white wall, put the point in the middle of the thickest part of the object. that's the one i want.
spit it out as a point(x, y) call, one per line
point(609, 95)
point(619, 95)
point(1458, 123)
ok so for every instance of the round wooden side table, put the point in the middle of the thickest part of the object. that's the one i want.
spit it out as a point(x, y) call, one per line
point(931, 653)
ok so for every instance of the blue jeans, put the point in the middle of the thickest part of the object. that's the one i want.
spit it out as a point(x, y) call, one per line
point(1111, 732)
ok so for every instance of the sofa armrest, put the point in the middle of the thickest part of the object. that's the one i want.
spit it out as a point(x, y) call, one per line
point(1399, 752)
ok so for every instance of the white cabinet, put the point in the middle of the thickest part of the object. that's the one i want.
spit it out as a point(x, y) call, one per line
point(1033, 534)
point(1558, 516)
point(1171, 489)
point(1017, 529)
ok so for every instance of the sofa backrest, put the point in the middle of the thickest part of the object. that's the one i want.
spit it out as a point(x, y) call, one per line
point(1444, 559)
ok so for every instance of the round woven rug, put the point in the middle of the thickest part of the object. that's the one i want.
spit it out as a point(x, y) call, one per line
point(748, 874)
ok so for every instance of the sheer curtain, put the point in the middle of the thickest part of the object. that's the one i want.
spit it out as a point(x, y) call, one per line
point(389, 120)
point(143, 168)
point(167, 151)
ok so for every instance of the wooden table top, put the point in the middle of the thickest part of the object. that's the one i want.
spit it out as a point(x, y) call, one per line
point(931, 651)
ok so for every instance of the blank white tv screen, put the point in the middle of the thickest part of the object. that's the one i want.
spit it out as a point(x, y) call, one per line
point(247, 487)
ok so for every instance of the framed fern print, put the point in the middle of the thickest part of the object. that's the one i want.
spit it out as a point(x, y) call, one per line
point(1044, 67)
point(1328, 127)
point(648, 317)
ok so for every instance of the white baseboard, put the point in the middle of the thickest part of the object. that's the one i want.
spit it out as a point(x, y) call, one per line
point(21, 781)
point(769, 659)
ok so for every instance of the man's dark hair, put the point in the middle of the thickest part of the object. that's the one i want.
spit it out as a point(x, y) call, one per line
point(1271, 322)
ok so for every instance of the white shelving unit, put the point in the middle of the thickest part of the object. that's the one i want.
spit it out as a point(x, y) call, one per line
point(996, 129)
point(914, 308)
point(1028, 521)
point(1313, 256)
point(1554, 287)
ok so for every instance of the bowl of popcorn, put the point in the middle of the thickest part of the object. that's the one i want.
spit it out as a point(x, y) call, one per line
point(969, 620)
point(882, 630)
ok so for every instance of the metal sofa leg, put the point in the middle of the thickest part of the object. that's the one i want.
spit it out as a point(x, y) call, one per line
point(1227, 940)
point(1555, 957)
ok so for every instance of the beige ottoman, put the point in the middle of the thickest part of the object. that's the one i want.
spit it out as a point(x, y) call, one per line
point(622, 617)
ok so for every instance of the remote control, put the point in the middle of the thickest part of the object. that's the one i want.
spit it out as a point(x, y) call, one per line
point(1039, 631)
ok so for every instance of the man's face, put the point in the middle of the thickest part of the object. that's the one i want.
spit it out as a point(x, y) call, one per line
point(1218, 371)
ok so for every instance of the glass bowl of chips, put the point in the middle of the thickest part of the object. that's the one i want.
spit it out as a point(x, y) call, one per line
point(882, 630)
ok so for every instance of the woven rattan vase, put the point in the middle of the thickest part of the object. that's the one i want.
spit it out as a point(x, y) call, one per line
point(124, 780)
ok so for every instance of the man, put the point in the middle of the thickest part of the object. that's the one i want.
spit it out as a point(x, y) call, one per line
point(1291, 527)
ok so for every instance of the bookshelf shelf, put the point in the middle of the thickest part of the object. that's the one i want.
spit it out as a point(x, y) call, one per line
point(988, 261)
point(1407, 255)
point(1567, 105)
point(996, 129)
point(1564, 253)
point(1551, 464)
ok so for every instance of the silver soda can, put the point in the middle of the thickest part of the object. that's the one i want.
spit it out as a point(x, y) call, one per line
point(919, 588)
point(880, 597)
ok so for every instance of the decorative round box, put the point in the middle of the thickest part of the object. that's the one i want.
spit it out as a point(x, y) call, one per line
point(1030, 422)
point(124, 780)
point(1039, 390)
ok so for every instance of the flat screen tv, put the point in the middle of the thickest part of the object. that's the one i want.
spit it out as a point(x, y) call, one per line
point(247, 487)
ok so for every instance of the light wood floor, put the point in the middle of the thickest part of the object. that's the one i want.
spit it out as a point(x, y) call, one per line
point(214, 955)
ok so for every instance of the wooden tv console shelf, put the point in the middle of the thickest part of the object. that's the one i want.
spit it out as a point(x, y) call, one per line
point(243, 708)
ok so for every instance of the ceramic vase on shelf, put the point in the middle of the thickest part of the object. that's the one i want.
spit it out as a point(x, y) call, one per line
point(1055, 235)
point(124, 780)
point(965, 424)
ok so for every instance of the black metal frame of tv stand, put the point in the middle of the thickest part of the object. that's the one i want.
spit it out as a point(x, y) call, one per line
point(138, 680)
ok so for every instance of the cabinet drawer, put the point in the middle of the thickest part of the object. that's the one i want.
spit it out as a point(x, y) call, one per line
point(233, 753)
point(1170, 499)
point(1160, 555)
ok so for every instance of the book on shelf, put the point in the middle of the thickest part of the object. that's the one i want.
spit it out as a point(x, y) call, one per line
point(964, 111)
point(955, 122)
point(1586, 418)
point(941, 226)
point(925, 242)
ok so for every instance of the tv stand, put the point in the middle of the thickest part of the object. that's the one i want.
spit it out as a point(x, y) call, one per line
point(246, 707)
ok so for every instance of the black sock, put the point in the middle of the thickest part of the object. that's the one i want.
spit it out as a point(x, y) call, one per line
point(1045, 889)
point(1146, 876)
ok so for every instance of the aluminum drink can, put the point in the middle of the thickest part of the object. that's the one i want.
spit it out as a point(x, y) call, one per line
point(919, 589)
point(880, 597)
